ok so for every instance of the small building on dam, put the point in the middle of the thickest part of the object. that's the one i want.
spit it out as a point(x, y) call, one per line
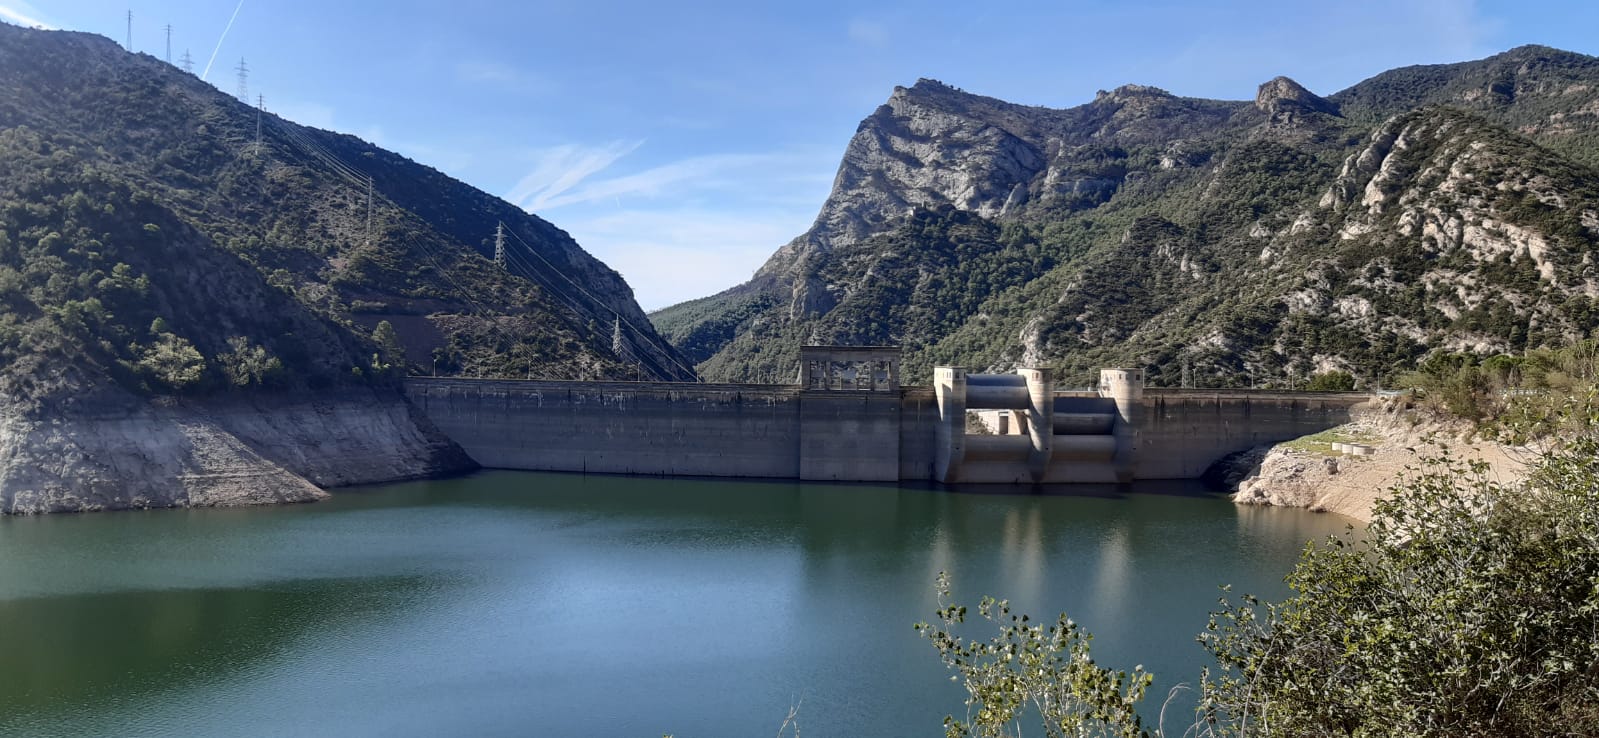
point(848, 418)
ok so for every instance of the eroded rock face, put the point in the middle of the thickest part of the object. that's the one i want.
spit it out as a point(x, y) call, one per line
point(1286, 477)
point(918, 150)
point(932, 145)
point(1285, 95)
point(213, 453)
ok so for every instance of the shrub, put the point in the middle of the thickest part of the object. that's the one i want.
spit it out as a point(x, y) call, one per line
point(1468, 608)
point(1331, 382)
point(171, 363)
point(1028, 663)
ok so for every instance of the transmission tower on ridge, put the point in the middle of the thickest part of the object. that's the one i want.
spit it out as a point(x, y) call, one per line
point(499, 245)
point(188, 62)
point(169, 43)
point(260, 107)
point(244, 86)
point(130, 30)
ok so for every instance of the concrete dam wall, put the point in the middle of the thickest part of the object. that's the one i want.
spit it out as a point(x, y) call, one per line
point(858, 424)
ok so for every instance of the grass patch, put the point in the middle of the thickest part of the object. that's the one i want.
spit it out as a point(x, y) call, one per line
point(1321, 443)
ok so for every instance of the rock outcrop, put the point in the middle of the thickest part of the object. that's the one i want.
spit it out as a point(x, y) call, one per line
point(1307, 473)
point(1285, 96)
point(220, 452)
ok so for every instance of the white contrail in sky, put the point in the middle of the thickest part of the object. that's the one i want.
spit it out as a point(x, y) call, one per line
point(21, 18)
point(225, 30)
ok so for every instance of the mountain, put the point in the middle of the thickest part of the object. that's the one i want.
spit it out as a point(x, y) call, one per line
point(1437, 208)
point(204, 303)
point(334, 230)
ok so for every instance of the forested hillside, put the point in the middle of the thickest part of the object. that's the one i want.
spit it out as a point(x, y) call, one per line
point(151, 240)
point(1441, 208)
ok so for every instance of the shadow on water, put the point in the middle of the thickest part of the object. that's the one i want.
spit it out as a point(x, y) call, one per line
point(67, 652)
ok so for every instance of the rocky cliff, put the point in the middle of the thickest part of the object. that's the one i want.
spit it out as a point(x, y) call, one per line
point(1232, 242)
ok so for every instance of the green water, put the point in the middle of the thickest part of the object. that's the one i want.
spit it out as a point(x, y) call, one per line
point(510, 604)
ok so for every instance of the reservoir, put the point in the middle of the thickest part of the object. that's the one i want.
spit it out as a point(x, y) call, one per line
point(540, 604)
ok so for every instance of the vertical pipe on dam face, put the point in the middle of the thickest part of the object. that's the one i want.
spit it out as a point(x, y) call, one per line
point(1040, 419)
point(949, 382)
point(1126, 387)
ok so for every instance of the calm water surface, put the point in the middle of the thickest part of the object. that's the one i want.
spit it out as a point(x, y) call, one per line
point(510, 604)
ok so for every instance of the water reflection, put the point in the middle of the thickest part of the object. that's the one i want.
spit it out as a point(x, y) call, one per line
point(590, 605)
point(131, 647)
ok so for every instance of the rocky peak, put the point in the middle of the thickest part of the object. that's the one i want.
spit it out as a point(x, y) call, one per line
point(929, 85)
point(1129, 92)
point(1283, 93)
point(930, 91)
point(1538, 53)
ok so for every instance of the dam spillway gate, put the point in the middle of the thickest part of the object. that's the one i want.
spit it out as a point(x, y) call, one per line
point(1039, 435)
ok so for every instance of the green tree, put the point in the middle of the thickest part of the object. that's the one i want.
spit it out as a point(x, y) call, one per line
point(248, 364)
point(391, 353)
point(172, 362)
point(1469, 607)
point(1334, 381)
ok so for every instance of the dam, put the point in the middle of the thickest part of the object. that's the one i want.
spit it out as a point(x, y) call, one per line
point(848, 418)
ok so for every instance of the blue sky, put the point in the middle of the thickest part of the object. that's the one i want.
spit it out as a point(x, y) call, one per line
point(684, 142)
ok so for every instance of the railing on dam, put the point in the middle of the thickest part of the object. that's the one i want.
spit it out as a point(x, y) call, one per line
point(864, 433)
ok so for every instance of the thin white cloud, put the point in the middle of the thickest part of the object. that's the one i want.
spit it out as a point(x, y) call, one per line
point(486, 71)
point(697, 173)
point(686, 228)
point(561, 168)
point(867, 32)
point(669, 256)
point(23, 15)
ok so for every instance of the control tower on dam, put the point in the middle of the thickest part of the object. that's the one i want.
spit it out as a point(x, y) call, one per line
point(848, 418)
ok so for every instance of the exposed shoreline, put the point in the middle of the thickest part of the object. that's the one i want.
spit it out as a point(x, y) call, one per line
point(1307, 473)
point(217, 452)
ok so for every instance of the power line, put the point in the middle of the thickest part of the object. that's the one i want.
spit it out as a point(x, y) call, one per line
point(571, 303)
point(244, 84)
point(499, 245)
point(357, 178)
point(603, 305)
point(339, 167)
point(260, 107)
